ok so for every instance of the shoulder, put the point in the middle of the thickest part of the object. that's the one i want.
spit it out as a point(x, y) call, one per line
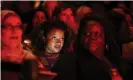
point(27, 55)
point(126, 68)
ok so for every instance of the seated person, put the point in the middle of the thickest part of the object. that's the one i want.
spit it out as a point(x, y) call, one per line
point(97, 52)
point(12, 53)
point(52, 56)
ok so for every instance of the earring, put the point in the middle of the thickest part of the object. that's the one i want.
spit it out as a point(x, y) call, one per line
point(106, 46)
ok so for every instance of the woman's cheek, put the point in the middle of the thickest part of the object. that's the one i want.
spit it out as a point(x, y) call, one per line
point(5, 37)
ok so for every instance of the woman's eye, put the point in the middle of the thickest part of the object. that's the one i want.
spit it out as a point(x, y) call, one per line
point(97, 33)
point(9, 27)
point(54, 37)
point(88, 34)
point(62, 38)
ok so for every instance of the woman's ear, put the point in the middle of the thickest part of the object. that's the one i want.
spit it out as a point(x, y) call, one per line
point(106, 46)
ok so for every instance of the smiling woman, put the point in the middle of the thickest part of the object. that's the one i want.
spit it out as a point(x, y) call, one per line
point(55, 40)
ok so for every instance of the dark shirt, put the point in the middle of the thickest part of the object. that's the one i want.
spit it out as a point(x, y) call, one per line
point(10, 71)
point(91, 68)
point(65, 67)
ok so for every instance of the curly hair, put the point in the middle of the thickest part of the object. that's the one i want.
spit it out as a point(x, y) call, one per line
point(49, 26)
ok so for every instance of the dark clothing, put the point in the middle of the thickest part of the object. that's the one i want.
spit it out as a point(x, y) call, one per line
point(29, 70)
point(120, 29)
point(91, 68)
point(126, 69)
point(25, 71)
point(10, 71)
point(65, 67)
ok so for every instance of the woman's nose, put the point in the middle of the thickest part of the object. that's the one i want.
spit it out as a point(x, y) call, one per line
point(93, 37)
point(58, 41)
point(14, 30)
point(39, 20)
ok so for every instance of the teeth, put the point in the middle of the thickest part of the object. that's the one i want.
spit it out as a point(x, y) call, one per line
point(57, 46)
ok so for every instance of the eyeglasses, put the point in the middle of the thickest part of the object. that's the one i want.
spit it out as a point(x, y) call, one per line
point(10, 27)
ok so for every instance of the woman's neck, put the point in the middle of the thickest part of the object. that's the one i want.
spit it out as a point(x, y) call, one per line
point(51, 55)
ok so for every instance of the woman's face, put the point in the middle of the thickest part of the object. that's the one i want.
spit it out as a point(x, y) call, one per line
point(67, 16)
point(11, 33)
point(55, 41)
point(39, 18)
point(93, 38)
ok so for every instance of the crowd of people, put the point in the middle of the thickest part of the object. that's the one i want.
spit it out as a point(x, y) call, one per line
point(64, 40)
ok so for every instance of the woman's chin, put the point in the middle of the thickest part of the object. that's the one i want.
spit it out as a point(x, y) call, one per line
point(92, 49)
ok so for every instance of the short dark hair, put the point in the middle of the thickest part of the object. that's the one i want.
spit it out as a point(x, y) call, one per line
point(61, 8)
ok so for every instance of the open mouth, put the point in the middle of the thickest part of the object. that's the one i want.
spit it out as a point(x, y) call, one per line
point(14, 37)
point(57, 46)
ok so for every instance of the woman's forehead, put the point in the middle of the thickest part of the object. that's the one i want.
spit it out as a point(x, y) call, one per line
point(94, 25)
point(92, 22)
point(54, 30)
point(12, 20)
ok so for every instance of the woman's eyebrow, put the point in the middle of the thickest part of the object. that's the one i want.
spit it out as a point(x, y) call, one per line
point(52, 35)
